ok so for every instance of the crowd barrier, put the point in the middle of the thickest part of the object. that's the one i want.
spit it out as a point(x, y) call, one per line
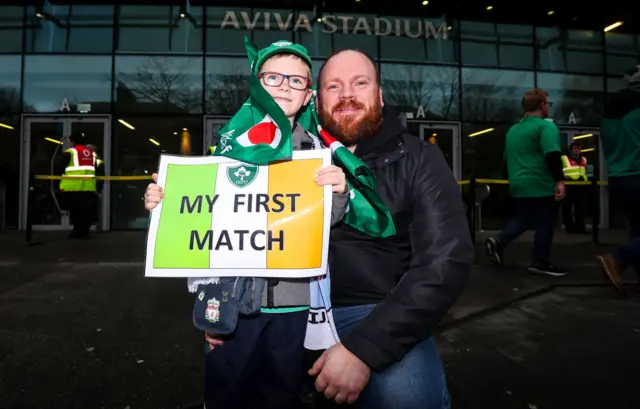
point(473, 183)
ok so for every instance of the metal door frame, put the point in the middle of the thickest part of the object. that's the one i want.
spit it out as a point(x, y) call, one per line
point(455, 127)
point(573, 130)
point(25, 161)
point(207, 121)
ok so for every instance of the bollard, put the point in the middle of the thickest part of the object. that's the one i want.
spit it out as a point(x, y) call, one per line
point(472, 213)
point(595, 217)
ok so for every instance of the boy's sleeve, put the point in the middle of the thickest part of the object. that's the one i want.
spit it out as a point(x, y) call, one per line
point(339, 207)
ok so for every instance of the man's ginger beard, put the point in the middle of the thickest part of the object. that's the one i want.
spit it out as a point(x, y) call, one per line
point(350, 129)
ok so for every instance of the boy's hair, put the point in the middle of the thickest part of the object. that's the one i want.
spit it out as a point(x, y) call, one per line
point(533, 100)
point(281, 55)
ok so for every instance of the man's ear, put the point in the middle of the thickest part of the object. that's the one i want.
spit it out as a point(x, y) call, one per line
point(380, 96)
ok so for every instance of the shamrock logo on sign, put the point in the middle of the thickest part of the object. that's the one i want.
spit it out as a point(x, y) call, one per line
point(242, 175)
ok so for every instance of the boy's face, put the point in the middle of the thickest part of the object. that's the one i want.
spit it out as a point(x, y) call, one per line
point(289, 99)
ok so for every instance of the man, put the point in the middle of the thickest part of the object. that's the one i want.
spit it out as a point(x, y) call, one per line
point(388, 295)
point(620, 135)
point(536, 182)
point(574, 167)
point(79, 165)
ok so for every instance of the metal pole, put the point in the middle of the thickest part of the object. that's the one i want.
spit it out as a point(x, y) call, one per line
point(472, 218)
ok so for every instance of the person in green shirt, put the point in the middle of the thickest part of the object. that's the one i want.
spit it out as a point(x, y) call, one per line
point(536, 181)
point(620, 137)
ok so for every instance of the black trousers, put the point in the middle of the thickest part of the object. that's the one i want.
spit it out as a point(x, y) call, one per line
point(574, 207)
point(83, 211)
point(260, 366)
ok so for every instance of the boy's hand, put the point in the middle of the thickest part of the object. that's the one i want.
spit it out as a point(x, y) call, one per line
point(153, 195)
point(334, 176)
point(212, 340)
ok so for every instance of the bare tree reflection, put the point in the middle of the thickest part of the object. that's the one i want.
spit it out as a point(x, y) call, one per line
point(435, 89)
point(162, 81)
point(226, 92)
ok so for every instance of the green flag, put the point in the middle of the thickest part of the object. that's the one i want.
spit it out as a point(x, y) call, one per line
point(259, 132)
point(366, 211)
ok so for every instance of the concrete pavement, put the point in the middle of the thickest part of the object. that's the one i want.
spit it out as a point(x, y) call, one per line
point(81, 327)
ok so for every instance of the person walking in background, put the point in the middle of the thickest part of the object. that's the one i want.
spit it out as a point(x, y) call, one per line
point(536, 181)
point(79, 188)
point(574, 166)
point(620, 136)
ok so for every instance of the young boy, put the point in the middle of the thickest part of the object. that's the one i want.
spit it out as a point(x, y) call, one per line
point(261, 365)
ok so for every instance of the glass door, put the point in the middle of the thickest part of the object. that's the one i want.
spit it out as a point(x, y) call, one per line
point(44, 138)
point(212, 128)
point(589, 140)
point(445, 135)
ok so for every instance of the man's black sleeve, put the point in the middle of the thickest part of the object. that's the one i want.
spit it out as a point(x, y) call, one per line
point(554, 163)
point(441, 259)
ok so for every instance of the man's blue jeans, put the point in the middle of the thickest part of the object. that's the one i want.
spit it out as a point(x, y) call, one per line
point(418, 381)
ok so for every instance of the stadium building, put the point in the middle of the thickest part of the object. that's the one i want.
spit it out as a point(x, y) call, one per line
point(144, 78)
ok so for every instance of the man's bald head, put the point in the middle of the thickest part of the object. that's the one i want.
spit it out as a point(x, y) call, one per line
point(349, 99)
point(364, 59)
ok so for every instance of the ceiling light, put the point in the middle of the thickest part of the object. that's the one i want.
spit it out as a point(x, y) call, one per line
point(125, 123)
point(6, 126)
point(425, 2)
point(480, 132)
point(588, 135)
point(153, 141)
point(612, 26)
point(589, 150)
point(489, 8)
point(550, 13)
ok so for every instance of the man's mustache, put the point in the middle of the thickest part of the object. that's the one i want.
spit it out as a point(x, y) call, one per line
point(347, 105)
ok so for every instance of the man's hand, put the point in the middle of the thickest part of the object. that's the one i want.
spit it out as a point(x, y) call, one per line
point(340, 374)
point(334, 176)
point(560, 190)
point(154, 194)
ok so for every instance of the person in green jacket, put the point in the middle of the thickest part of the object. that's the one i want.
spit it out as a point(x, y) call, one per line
point(620, 137)
point(536, 181)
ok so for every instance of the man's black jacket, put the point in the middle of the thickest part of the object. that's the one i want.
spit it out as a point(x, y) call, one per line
point(416, 275)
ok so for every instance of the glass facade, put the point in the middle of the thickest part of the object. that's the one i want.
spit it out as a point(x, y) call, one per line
point(156, 82)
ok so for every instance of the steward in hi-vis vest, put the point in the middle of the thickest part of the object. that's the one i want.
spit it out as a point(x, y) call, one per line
point(574, 205)
point(79, 189)
point(211, 150)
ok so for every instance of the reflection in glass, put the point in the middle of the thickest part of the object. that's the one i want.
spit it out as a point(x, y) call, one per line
point(434, 88)
point(158, 84)
point(483, 150)
point(10, 83)
point(225, 29)
point(159, 29)
point(569, 50)
point(45, 143)
point(137, 152)
point(577, 99)
point(227, 85)
point(271, 26)
point(493, 95)
point(406, 48)
point(353, 31)
point(11, 29)
point(317, 43)
point(623, 52)
point(10, 132)
point(497, 45)
point(79, 29)
point(48, 80)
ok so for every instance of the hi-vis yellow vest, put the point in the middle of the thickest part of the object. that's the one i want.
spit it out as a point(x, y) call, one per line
point(211, 150)
point(574, 170)
point(83, 163)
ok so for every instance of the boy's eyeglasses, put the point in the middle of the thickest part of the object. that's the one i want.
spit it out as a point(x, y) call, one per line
point(275, 79)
